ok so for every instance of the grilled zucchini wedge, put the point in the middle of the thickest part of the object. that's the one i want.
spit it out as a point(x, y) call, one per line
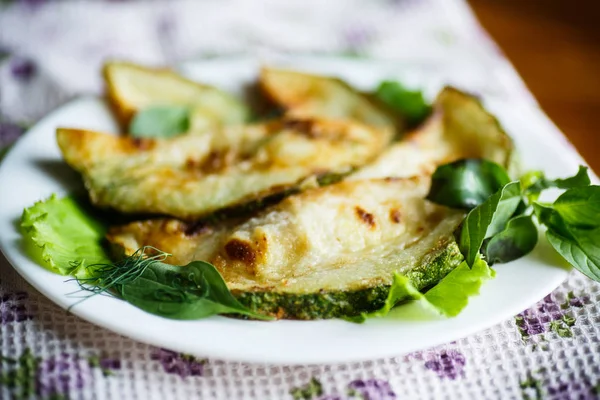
point(192, 176)
point(459, 127)
point(306, 95)
point(326, 252)
point(131, 88)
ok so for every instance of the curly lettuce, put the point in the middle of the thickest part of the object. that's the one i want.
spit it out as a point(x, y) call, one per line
point(62, 237)
point(448, 298)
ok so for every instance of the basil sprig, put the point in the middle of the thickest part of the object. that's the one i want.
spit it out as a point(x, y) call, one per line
point(501, 227)
point(487, 219)
point(573, 222)
point(163, 121)
point(535, 182)
point(188, 292)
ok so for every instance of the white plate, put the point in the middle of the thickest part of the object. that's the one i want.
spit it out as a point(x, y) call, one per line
point(33, 170)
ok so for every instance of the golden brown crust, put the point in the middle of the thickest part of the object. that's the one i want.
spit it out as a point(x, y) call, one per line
point(192, 176)
point(305, 95)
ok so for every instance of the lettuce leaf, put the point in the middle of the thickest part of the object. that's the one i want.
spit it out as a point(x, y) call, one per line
point(61, 236)
point(448, 298)
point(451, 295)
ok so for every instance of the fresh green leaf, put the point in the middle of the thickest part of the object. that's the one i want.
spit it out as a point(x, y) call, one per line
point(59, 235)
point(487, 219)
point(451, 295)
point(193, 291)
point(531, 179)
point(515, 241)
point(578, 180)
point(448, 298)
point(535, 182)
point(581, 250)
point(546, 215)
point(160, 122)
point(580, 206)
point(574, 228)
point(409, 103)
point(466, 183)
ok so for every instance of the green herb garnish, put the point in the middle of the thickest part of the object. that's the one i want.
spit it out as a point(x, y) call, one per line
point(408, 103)
point(466, 183)
point(193, 291)
point(574, 228)
point(59, 234)
point(516, 240)
point(487, 219)
point(535, 182)
point(160, 122)
point(502, 227)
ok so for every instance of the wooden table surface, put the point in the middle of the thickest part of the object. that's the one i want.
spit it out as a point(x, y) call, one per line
point(555, 47)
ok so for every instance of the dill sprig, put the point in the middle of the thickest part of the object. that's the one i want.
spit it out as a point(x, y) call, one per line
point(109, 278)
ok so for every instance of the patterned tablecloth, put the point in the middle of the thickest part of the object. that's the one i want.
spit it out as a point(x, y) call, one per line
point(51, 51)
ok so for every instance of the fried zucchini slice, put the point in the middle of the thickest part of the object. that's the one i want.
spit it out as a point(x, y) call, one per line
point(459, 127)
point(326, 252)
point(131, 88)
point(306, 95)
point(192, 176)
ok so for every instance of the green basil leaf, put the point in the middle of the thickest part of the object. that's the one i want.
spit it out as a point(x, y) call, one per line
point(466, 183)
point(515, 241)
point(535, 182)
point(574, 228)
point(408, 103)
point(578, 180)
point(547, 216)
point(580, 206)
point(160, 122)
point(487, 219)
point(581, 250)
point(194, 291)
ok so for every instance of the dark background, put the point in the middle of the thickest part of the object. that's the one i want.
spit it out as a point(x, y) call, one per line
point(555, 47)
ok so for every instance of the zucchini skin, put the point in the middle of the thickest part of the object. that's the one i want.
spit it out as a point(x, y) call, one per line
point(339, 304)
